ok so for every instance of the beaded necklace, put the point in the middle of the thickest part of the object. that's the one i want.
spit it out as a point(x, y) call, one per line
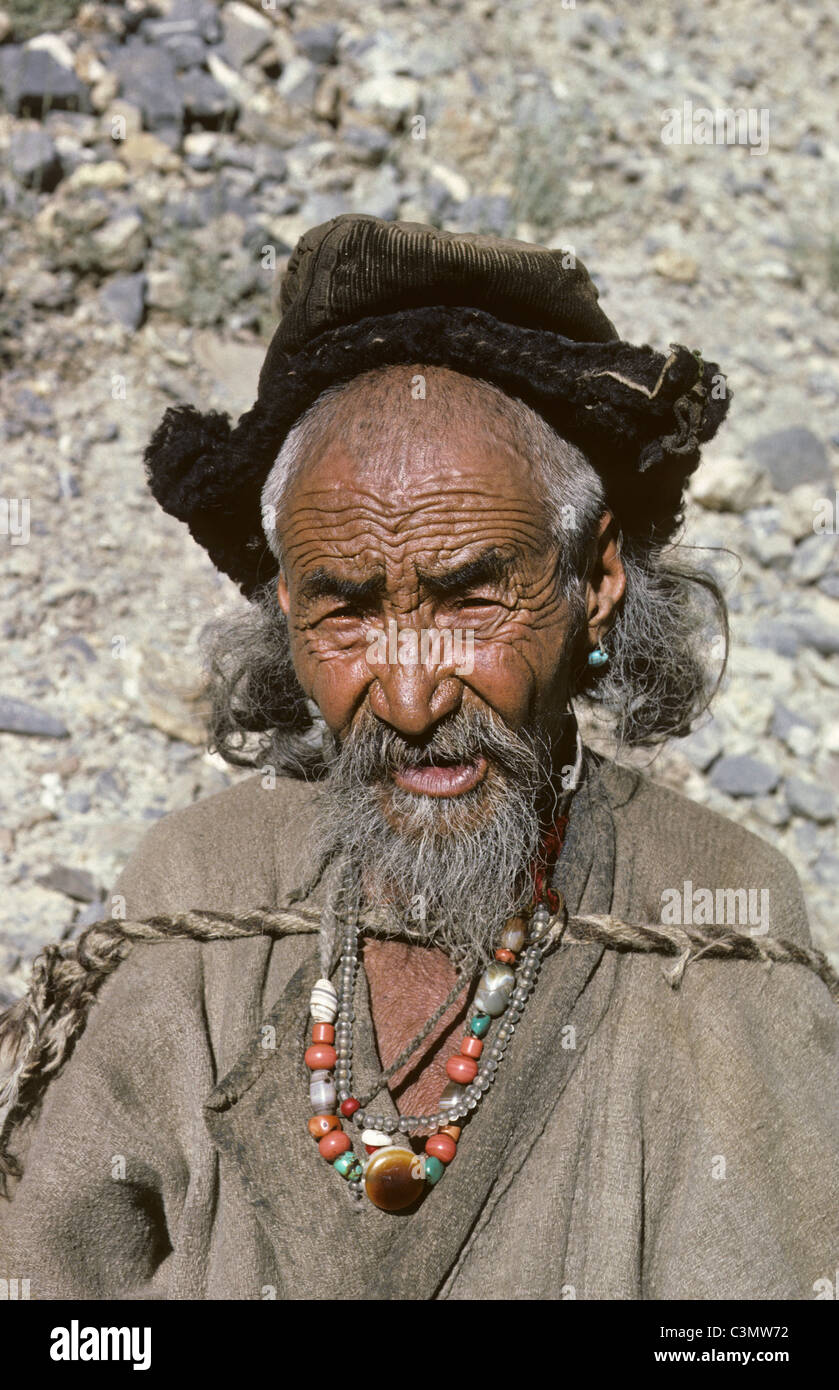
point(394, 1177)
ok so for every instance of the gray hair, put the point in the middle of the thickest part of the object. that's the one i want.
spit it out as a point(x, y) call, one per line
point(667, 643)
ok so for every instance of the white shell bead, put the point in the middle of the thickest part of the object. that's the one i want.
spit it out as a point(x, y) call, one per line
point(323, 1004)
point(375, 1138)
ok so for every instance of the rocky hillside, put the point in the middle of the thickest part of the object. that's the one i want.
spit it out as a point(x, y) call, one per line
point(160, 160)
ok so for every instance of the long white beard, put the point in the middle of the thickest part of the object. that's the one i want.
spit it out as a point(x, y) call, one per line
point(457, 867)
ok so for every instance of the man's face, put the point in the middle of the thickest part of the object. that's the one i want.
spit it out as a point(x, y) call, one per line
point(436, 528)
point(418, 517)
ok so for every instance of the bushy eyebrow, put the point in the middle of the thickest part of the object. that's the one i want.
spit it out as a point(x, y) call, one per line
point(322, 584)
point(492, 567)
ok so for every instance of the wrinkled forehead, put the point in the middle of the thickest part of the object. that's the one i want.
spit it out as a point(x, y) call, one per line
point(413, 495)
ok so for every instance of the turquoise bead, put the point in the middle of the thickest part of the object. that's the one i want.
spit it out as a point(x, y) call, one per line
point(480, 1024)
point(434, 1169)
point(598, 657)
point(345, 1162)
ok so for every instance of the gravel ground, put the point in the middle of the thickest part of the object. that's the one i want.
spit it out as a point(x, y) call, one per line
point(159, 163)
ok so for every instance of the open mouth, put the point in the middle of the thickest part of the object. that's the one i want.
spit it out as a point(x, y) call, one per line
point(441, 778)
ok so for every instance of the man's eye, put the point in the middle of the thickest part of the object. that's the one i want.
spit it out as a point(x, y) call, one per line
point(477, 601)
point(347, 610)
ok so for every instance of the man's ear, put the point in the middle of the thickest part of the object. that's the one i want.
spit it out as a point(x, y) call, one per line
point(283, 597)
point(607, 580)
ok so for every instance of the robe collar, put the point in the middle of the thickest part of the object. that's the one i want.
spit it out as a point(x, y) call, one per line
point(328, 1245)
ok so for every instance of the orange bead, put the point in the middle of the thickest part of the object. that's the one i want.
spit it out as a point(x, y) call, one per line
point(441, 1146)
point(471, 1047)
point(393, 1178)
point(334, 1143)
point(319, 1125)
point(507, 956)
point(320, 1056)
point(462, 1069)
point(323, 1033)
point(453, 1131)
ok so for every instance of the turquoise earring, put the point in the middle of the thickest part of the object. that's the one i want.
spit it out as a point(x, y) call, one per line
point(597, 656)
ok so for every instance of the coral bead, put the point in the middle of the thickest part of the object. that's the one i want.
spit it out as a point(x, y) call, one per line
point(441, 1146)
point(319, 1125)
point(333, 1144)
point(323, 1033)
point(320, 1055)
point(471, 1047)
point(462, 1069)
point(506, 956)
point(349, 1106)
point(453, 1131)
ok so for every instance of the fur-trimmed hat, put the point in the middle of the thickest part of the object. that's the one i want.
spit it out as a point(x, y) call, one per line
point(360, 293)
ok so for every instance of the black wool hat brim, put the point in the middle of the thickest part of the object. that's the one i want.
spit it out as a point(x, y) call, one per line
point(641, 417)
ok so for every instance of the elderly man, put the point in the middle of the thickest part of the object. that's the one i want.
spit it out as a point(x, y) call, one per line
point(395, 1020)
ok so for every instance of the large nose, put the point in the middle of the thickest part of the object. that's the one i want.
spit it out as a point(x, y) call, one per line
point(412, 698)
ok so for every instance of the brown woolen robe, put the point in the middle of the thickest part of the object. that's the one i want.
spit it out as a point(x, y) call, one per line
point(640, 1141)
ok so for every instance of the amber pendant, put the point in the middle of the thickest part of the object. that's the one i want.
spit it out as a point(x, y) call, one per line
point(394, 1178)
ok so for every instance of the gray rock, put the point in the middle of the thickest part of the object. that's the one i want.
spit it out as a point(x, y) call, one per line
point(806, 838)
point(810, 799)
point(829, 586)
point(772, 810)
point(390, 97)
point(765, 539)
point(120, 244)
point(826, 869)
point(52, 291)
point(33, 82)
point(246, 34)
point(68, 484)
point(187, 50)
point(34, 160)
point(16, 717)
point(792, 456)
point(702, 747)
point(298, 82)
point(97, 911)
point(268, 164)
point(320, 207)
point(319, 42)
point(73, 883)
point(198, 17)
point(77, 802)
point(148, 80)
point(784, 720)
point(123, 299)
point(742, 775)
point(367, 142)
point(378, 193)
point(206, 103)
point(109, 786)
point(492, 214)
point(812, 632)
point(812, 559)
point(781, 637)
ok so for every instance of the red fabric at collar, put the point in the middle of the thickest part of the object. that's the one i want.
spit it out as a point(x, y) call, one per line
point(543, 864)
